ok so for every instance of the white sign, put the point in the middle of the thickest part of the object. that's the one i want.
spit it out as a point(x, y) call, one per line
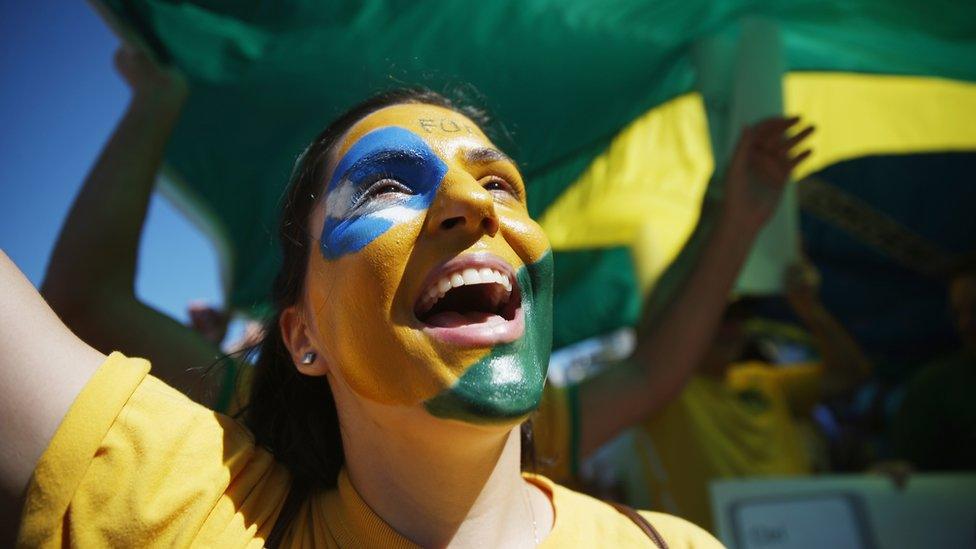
point(846, 512)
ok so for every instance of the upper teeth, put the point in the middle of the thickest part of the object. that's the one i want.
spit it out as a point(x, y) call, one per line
point(467, 277)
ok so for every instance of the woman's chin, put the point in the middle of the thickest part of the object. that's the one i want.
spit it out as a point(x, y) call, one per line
point(502, 388)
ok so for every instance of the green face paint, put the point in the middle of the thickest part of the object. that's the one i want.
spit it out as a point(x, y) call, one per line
point(507, 383)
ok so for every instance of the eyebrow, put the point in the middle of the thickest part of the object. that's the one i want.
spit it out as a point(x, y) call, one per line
point(486, 155)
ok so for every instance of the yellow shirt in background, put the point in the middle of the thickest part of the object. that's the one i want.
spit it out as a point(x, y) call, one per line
point(135, 463)
point(743, 427)
point(553, 433)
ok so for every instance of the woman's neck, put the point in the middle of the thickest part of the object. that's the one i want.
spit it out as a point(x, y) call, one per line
point(445, 484)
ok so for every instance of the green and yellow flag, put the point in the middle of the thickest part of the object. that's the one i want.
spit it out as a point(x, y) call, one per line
point(610, 107)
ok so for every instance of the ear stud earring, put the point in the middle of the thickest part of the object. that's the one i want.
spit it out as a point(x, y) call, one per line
point(308, 358)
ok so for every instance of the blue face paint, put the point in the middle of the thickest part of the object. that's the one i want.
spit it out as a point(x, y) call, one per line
point(354, 219)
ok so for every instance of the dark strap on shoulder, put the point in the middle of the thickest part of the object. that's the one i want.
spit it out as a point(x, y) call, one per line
point(641, 523)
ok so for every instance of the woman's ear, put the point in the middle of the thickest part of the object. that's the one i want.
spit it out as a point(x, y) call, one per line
point(295, 334)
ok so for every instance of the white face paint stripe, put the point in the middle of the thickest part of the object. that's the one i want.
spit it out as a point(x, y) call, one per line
point(397, 214)
point(339, 201)
point(339, 204)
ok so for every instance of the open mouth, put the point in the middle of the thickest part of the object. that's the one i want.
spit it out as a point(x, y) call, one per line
point(473, 300)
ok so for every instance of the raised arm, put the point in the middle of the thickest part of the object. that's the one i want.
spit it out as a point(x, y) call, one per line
point(43, 366)
point(672, 341)
point(844, 363)
point(90, 281)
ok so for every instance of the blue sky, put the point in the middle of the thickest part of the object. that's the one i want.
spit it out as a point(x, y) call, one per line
point(59, 100)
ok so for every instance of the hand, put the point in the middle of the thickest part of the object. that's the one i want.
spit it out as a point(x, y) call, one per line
point(801, 282)
point(148, 80)
point(760, 166)
point(208, 321)
point(253, 334)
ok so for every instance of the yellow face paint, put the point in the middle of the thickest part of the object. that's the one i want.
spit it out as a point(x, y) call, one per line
point(416, 198)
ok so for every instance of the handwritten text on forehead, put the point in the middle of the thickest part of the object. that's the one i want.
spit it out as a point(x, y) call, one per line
point(446, 125)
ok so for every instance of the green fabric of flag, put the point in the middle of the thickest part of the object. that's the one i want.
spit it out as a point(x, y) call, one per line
point(586, 311)
point(561, 76)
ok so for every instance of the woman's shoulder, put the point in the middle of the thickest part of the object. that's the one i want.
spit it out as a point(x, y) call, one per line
point(135, 458)
point(582, 520)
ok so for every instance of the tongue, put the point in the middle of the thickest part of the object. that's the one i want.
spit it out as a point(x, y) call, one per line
point(454, 319)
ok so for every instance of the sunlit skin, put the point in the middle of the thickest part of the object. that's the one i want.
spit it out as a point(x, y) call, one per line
point(365, 275)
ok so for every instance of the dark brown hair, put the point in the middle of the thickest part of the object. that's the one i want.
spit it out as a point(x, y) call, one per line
point(292, 415)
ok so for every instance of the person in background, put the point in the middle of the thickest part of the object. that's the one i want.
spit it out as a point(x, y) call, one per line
point(90, 279)
point(934, 428)
point(674, 334)
point(739, 419)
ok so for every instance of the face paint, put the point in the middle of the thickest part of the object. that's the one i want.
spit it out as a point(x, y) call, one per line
point(507, 384)
point(383, 251)
point(386, 154)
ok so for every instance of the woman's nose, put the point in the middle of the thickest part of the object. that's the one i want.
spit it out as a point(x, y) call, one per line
point(462, 205)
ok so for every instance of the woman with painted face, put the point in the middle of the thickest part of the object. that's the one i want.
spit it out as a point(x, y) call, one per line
point(409, 345)
point(413, 319)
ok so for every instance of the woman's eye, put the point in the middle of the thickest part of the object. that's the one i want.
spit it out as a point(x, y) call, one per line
point(386, 186)
point(381, 189)
point(495, 183)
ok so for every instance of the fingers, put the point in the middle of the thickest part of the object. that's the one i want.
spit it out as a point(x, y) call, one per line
point(774, 127)
point(771, 141)
point(788, 144)
point(774, 138)
point(795, 161)
point(202, 314)
point(766, 148)
point(770, 133)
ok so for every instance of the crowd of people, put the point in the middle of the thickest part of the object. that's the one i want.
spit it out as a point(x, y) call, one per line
point(360, 415)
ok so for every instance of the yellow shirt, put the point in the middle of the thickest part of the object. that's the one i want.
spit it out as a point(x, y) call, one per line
point(134, 463)
point(740, 428)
